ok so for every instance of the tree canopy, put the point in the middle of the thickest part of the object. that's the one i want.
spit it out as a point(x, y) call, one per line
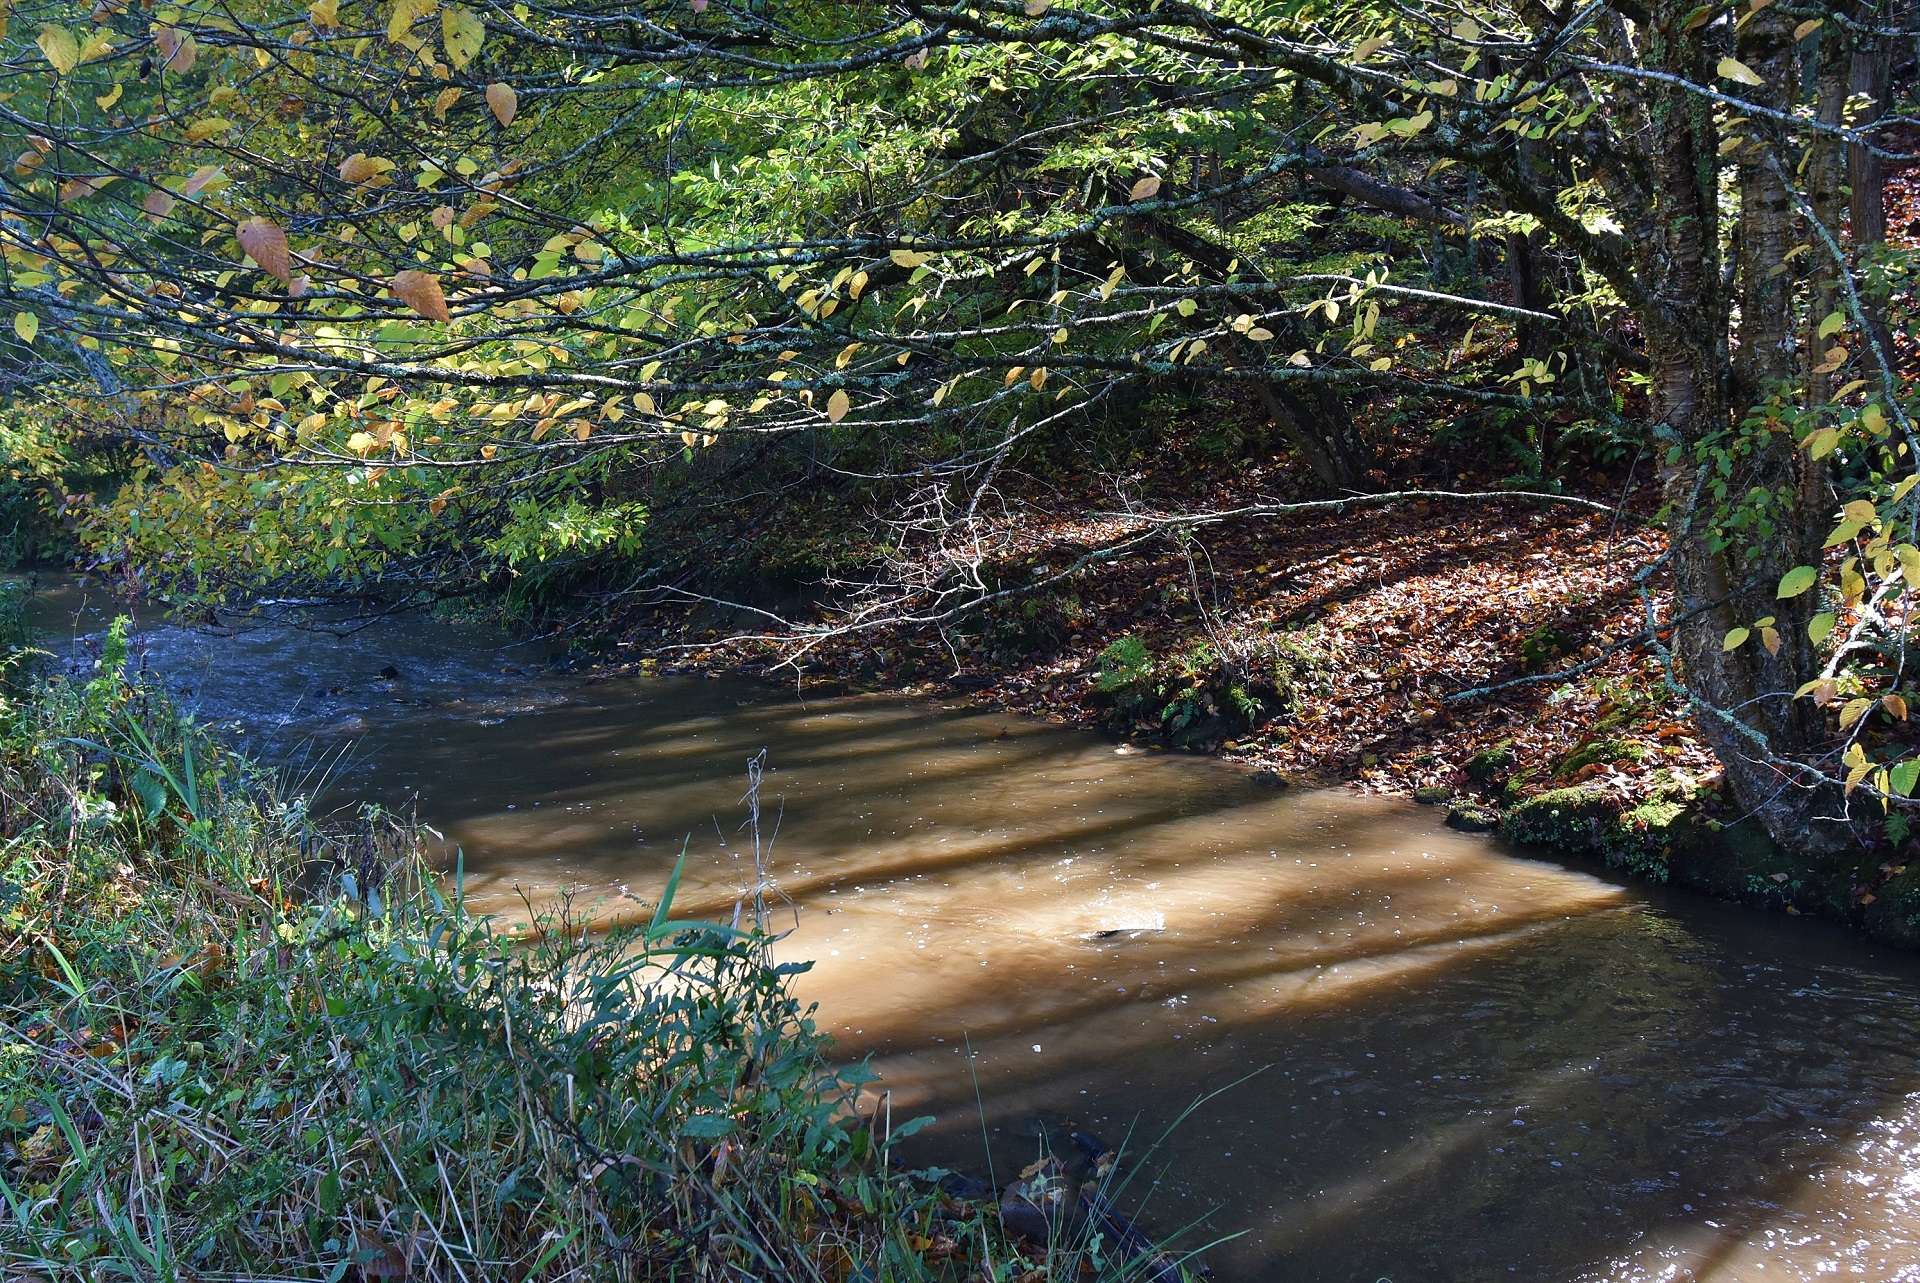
point(409, 294)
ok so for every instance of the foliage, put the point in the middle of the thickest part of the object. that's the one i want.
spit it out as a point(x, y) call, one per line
point(418, 295)
point(238, 1043)
point(1206, 692)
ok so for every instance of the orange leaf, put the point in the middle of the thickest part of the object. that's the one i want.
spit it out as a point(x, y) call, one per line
point(178, 51)
point(358, 168)
point(266, 245)
point(421, 292)
point(504, 102)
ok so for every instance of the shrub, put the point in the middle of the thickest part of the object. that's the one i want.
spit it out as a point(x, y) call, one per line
point(1208, 692)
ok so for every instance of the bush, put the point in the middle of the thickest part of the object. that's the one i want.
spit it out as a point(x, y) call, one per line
point(1203, 694)
point(237, 1044)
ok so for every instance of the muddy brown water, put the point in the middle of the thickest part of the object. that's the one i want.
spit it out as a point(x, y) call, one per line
point(1428, 1056)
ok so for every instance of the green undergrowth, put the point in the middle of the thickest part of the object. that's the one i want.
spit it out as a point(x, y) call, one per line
point(1209, 691)
point(236, 1042)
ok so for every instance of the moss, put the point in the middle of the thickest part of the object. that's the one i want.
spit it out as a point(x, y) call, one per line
point(1491, 764)
point(1603, 751)
point(1432, 794)
point(1472, 817)
point(1894, 915)
point(1588, 820)
point(1568, 818)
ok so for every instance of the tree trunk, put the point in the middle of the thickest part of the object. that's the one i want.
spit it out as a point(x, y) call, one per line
point(1870, 76)
point(1318, 427)
point(1743, 697)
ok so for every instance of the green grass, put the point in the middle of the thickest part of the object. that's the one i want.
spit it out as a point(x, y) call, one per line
point(235, 1043)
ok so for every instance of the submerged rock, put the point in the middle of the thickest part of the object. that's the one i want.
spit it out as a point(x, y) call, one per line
point(1471, 817)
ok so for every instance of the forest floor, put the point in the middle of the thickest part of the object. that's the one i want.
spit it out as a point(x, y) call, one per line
point(1407, 608)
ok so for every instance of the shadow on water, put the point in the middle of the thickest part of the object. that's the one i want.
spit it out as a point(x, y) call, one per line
point(1474, 1066)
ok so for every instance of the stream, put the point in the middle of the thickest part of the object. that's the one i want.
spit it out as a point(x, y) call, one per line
point(1424, 1056)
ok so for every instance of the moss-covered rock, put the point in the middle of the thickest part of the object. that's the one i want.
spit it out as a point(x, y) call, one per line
point(1894, 914)
point(1473, 817)
point(1432, 794)
point(1569, 818)
point(1601, 751)
point(1490, 765)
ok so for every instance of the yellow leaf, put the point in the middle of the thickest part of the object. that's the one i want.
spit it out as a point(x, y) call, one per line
point(837, 405)
point(26, 325)
point(1739, 72)
point(1806, 29)
point(360, 168)
point(504, 103)
point(1144, 188)
point(405, 14)
point(201, 130)
point(1037, 8)
point(61, 49)
point(110, 97)
point(325, 13)
point(907, 257)
point(461, 33)
point(1370, 46)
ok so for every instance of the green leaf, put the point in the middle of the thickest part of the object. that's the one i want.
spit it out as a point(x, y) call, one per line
point(1820, 627)
point(1904, 776)
point(1797, 581)
point(1735, 638)
point(26, 325)
point(666, 897)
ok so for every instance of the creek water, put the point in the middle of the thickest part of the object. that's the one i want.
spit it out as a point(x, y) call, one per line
point(1424, 1056)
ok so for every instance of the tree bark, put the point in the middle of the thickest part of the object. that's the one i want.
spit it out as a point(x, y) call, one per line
point(1702, 390)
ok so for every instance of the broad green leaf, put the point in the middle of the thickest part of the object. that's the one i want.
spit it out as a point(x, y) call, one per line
point(1797, 581)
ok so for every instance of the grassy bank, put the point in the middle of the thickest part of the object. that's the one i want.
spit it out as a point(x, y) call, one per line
point(236, 1042)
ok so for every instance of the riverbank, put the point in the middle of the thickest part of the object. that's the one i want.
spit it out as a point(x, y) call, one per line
point(1478, 654)
point(240, 1041)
